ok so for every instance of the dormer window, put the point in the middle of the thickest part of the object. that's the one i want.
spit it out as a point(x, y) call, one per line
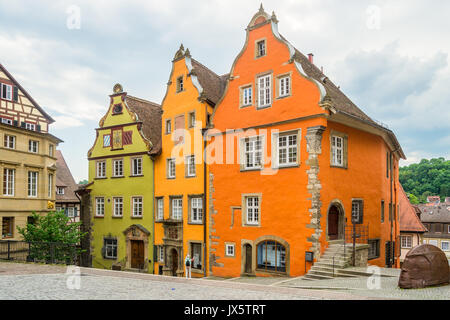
point(60, 190)
point(180, 84)
point(260, 48)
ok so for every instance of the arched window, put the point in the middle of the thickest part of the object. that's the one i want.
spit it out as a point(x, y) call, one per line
point(271, 256)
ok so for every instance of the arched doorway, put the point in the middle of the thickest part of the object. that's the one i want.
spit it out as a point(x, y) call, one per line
point(174, 260)
point(335, 222)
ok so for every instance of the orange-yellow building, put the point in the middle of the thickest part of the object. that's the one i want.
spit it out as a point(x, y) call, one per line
point(307, 163)
point(180, 172)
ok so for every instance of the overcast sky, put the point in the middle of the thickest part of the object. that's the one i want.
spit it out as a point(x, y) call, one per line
point(390, 57)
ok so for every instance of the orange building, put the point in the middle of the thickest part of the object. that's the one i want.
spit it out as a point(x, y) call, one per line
point(294, 163)
point(180, 172)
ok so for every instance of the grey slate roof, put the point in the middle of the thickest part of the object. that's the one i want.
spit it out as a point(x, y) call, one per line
point(65, 179)
point(435, 213)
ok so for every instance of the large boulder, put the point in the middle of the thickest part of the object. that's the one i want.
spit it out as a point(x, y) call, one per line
point(424, 266)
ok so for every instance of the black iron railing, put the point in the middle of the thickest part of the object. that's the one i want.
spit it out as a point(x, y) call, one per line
point(44, 252)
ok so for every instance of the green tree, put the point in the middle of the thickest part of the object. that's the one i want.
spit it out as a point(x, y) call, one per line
point(52, 237)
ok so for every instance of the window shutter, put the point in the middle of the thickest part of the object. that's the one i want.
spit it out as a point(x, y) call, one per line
point(22, 124)
point(16, 123)
point(38, 128)
point(15, 94)
point(75, 212)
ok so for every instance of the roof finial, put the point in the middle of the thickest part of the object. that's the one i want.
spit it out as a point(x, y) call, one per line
point(181, 47)
point(187, 53)
point(261, 9)
point(274, 17)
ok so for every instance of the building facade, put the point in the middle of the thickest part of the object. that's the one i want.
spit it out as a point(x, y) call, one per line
point(294, 164)
point(117, 206)
point(436, 218)
point(411, 228)
point(27, 157)
point(66, 199)
point(180, 172)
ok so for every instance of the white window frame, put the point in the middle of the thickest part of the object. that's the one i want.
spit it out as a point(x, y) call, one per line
point(160, 209)
point(448, 245)
point(284, 86)
point(118, 168)
point(160, 253)
point(261, 50)
point(7, 95)
point(50, 150)
point(406, 242)
point(8, 181)
point(177, 209)
point(60, 190)
point(113, 243)
point(251, 143)
point(118, 206)
point(100, 169)
point(7, 121)
point(100, 206)
point(190, 162)
point(33, 146)
point(252, 211)
point(50, 185)
point(356, 210)
point(196, 209)
point(228, 252)
point(71, 212)
point(247, 96)
point(335, 150)
point(264, 90)
point(9, 141)
point(192, 119)
point(137, 206)
point(33, 178)
point(136, 166)
point(168, 126)
point(30, 126)
point(171, 165)
point(433, 242)
point(276, 148)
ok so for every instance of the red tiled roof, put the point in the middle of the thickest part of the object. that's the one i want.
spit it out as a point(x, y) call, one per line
point(409, 221)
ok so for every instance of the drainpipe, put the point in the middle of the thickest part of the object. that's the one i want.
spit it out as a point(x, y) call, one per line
point(205, 210)
point(391, 213)
point(153, 225)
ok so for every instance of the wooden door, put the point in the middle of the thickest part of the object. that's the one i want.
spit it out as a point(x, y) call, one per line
point(248, 258)
point(174, 262)
point(137, 254)
point(333, 223)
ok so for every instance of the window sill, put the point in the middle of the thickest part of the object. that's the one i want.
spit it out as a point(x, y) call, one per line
point(189, 177)
point(99, 217)
point(117, 177)
point(338, 167)
point(263, 107)
point(136, 176)
point(117, 217)
point(297, 165)
point(249, 170)
point(171, 178)
point(137, 217)
point(282, 97)
point(100, 178)
point(245, 106)
point(252, 225)
point(195, 223)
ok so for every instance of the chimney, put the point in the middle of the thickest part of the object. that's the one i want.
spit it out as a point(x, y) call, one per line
point(311, 57)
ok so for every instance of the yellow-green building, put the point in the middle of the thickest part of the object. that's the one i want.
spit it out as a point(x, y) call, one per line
point(27, 158)
point(117, 206)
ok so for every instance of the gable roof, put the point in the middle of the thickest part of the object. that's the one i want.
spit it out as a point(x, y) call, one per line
point(213, 84)
point(409, 221)
point(65, 179)
point(45, 114)
point(150, 114)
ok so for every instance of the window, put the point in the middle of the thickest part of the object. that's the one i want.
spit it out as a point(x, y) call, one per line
point(9, 142)
point(445, 246)
point(168, 126)
point(110, 248)
point(261, 48)
point(196, 254)
point(160, 209)
point(161, 253)
point(100, 207)
point(374, 249)
point(229, 250)
point(50, 150)
point(33, 146)
point(136, 166)
point(337, 151)
point(271, 256)
point(265, 89)
point(171, 168)
point(406, 242)
point(71, 212)
point(8, 227)
point(433, 242)
point(6, 91)
point(50, 185)
point(190, 166)
point(117, 109)
point(118, 206)
point(101, 169)
point(287, 149)
point(30, 126)
point(59, 190)
point(284, 86)
point(137, 206)
point(192, 120)
point(180, 85)
point(8, 182)
point(127, 137)
point(253, 153)
point(177, 209)
point(106, 140)
point(7, 121)
point(197, 210)
point(382, 210)
point(252, 210)
point(118, 168)
point(32, 183)
point(357, 211)
point(246, 96)
point(448, 229)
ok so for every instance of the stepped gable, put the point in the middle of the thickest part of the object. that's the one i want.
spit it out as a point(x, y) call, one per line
point(150, 114)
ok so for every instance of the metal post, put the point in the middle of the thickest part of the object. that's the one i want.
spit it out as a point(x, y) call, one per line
point(9, 249)
point(354, 245)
